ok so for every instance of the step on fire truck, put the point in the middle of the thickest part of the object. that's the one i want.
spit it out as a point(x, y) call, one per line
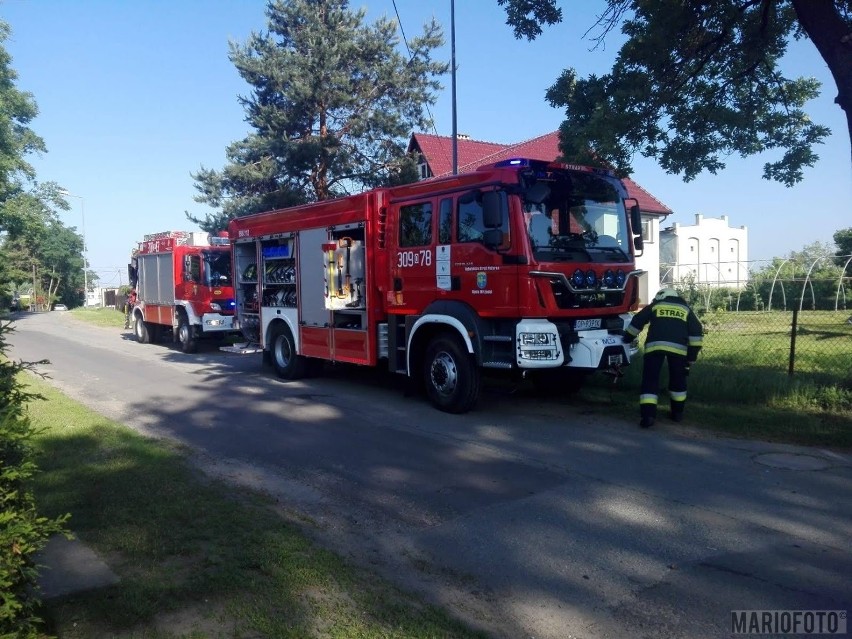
point(522, 267)
point(183, 285)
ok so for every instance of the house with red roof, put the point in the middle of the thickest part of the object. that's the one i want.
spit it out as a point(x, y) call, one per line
point(436, 160)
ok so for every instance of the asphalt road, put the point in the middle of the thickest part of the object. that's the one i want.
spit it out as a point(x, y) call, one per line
point(524, 518)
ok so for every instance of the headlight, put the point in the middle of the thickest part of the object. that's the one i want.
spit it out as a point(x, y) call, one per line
point(215, 307)
point(620, 277)
point(591, 278)
point(537, 339)
point(578, 278)
point(609, 278)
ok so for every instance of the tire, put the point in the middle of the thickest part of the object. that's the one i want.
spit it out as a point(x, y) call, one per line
point(186, 335)
point(285, 361)
point(140, 329)
point(451, 375)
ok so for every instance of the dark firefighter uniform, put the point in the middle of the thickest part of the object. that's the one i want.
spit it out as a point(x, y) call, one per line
point(674, 334)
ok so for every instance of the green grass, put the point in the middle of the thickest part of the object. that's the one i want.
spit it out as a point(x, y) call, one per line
point(741, 384)
point(196, 558)
point(108, 317)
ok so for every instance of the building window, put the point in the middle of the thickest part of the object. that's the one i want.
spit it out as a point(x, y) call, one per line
point(647, 234)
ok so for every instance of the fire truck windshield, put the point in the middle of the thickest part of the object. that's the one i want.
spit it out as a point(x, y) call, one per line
point(217, 268)
point(576, 217)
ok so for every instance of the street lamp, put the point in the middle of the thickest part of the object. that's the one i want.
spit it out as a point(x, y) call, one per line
point(83, 229)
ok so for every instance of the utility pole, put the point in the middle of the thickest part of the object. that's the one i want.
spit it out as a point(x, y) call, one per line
point(453, 63)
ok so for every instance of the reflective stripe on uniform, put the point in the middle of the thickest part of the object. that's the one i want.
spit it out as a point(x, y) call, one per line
point(667, 347)
point(677, 396)
point(648, 399)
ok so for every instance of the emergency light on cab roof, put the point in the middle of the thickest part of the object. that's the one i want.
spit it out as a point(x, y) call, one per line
point(542, 164)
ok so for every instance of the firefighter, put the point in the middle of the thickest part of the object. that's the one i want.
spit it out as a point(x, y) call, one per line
point(674, 334)
point(129, 303)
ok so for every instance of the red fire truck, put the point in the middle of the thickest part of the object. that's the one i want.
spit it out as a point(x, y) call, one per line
point(183, 285)
point(523, 266)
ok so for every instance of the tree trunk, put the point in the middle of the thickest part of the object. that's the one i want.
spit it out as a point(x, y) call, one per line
point(833, 39)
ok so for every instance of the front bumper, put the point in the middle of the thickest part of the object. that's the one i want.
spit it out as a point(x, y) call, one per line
point(216, 323)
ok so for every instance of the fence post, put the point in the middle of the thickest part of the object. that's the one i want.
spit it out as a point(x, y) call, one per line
point(793, 341)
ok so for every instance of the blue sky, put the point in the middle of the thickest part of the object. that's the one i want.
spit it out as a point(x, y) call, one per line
point(135, 96)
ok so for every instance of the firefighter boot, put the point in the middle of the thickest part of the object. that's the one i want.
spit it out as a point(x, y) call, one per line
point(647, 414)
point(676, 411)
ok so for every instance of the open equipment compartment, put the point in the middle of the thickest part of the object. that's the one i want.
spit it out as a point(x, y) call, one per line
point(246, 290)
point(345, 277)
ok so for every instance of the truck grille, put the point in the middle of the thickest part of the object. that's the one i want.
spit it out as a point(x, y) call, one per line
point(601, 298)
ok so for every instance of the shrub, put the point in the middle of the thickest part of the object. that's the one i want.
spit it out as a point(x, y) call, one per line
point(22, 531)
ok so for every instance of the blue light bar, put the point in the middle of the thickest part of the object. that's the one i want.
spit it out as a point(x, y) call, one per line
point(513, 162)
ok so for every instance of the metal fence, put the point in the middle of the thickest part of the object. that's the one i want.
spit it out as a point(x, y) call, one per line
point(787, 314)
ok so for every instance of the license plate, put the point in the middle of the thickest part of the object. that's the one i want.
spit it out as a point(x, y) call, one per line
point(586, 324)
point(614, 360)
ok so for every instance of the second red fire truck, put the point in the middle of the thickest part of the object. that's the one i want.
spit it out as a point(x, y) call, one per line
point(183, 286)
point(523, 267)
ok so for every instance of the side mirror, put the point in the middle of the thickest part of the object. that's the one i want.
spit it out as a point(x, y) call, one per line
point(636, 226)
point(636, 219)
point(492, 214)
point(638, 245)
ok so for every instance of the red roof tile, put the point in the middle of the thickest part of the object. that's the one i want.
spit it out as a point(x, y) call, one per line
point(437, 150)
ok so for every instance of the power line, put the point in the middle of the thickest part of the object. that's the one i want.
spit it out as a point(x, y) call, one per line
point(407, 48)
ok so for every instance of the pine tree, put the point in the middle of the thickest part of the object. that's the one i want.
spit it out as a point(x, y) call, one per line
point(333, 102)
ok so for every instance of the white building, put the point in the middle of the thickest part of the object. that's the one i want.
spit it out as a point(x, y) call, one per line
point(709, 251)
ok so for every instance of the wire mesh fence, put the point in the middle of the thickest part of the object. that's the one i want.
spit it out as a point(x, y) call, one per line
point(784, 315)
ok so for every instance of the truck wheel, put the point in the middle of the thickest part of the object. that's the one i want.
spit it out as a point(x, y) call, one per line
point(451, 375)
point(185, 335)
point(140, 329)
point(285, 361)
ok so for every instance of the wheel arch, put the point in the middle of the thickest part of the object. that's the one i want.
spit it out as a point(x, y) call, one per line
point(443, 317)
point(273, 325)
point(183, 306)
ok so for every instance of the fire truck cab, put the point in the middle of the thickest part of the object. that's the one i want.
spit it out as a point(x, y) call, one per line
point(183, 284)
point(521, 267)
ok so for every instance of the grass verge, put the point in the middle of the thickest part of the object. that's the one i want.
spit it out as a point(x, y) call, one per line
point(749, 402)
point(108, 317)
point(196, 558)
